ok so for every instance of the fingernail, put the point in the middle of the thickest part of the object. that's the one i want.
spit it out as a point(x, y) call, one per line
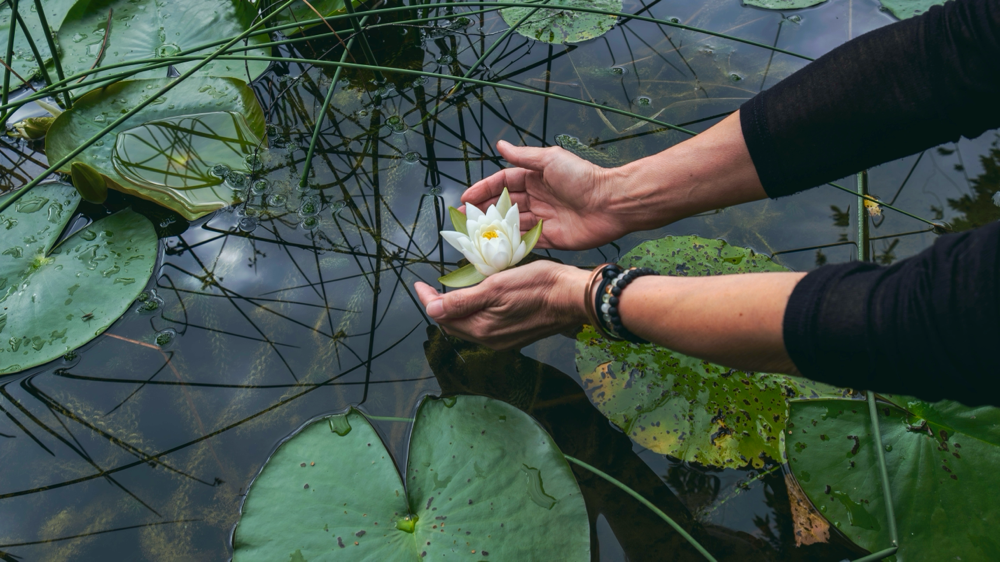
point(435, 309)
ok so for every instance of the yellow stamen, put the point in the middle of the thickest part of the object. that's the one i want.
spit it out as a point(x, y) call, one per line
point(490, 234)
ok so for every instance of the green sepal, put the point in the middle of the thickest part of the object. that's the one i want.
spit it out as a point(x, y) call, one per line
point(89, 182)
point(530, 238)
point(458, 220)
point(462, 277)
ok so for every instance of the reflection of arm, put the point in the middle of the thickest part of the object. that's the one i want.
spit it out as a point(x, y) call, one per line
point(889, 93)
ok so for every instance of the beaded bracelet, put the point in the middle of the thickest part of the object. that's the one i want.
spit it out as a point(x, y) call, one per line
point(614, 281)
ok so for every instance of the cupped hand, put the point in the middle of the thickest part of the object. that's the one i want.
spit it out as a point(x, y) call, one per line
point(512, 308)
point(572, 196)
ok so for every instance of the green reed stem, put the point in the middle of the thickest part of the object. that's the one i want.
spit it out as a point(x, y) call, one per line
point(490, 50)
point(157, 62)
point(10, 199)
point(34, 48)
point(867, 197)
point(890, 513)
point(864, 244)
point(475, 66)
point(177, 59)
point(67, 98)
point(66, 84)
point(9, 59)
point(880, 555)
point(646, 503)
point(303, 181)
point(410, 72)
point(497, 5)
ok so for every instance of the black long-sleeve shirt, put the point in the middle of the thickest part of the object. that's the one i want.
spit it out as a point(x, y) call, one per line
point(925, 326)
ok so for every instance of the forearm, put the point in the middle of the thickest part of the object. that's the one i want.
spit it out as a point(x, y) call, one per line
point(733, 320)
point(709, 171)
point(889, 93)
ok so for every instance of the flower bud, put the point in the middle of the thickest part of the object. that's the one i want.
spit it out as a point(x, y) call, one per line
point(89, 182)
point(34, 128)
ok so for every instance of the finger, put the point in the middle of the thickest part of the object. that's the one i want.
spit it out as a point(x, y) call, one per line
point(492, 187)
point(528, 221)
point(529, 157)
point(430, 298)
point(459, 304)
point(426, 293)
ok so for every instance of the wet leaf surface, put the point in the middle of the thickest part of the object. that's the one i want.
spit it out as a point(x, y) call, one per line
point(56, 299)
point(682, 406)
point(564, 26)
point(483, 479)
point(187, 152)
point(904, 9)
point(151, 29)
point(941, 460)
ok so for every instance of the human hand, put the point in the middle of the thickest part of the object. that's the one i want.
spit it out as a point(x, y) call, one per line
point(585, 206)
point(572, 196)
point(512, 308)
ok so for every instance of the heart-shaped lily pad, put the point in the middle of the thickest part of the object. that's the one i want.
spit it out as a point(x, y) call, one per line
point(483, 482)
point(176, 152)
point(150, 29)
point(682, 406)
point(564, 26)
point(904, 9)
point(941, 460)
point(57, 299)
point(24, 62)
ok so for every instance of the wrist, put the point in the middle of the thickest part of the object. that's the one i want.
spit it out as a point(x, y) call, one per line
point(570, 288)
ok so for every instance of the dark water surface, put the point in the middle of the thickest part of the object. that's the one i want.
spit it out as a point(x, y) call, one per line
point(300, 302)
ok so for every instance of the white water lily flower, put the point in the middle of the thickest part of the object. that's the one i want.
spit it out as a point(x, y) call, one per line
point(491, 241)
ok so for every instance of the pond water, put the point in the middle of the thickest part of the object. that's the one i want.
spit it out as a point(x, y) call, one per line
point(300, 301)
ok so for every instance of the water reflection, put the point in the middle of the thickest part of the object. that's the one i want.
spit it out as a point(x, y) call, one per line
point(182, 152)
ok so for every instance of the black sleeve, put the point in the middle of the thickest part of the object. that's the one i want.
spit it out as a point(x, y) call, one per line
point(928, 326)
point(889, 93)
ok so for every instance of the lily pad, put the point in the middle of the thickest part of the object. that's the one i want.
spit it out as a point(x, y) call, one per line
point(177, 152)
point(23, 61)
point(56, 299)
point(685, 407)
point(941, 460)
point(564, 26)
point(483, 482)
point(782, 4)
point(151, 29)
point(904, 9)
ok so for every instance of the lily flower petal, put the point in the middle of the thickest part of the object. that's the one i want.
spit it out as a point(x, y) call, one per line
point(472, 213)
point(454, 238)
point(522, 250)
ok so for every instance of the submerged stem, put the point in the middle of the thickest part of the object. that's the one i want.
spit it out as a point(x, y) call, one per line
point(322, 112)
point(697, 546)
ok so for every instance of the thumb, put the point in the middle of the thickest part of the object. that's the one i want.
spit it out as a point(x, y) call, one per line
point(457, 304)
point(529, 157)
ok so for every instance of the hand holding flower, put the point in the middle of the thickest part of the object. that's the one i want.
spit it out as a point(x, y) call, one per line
point(491, 241)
